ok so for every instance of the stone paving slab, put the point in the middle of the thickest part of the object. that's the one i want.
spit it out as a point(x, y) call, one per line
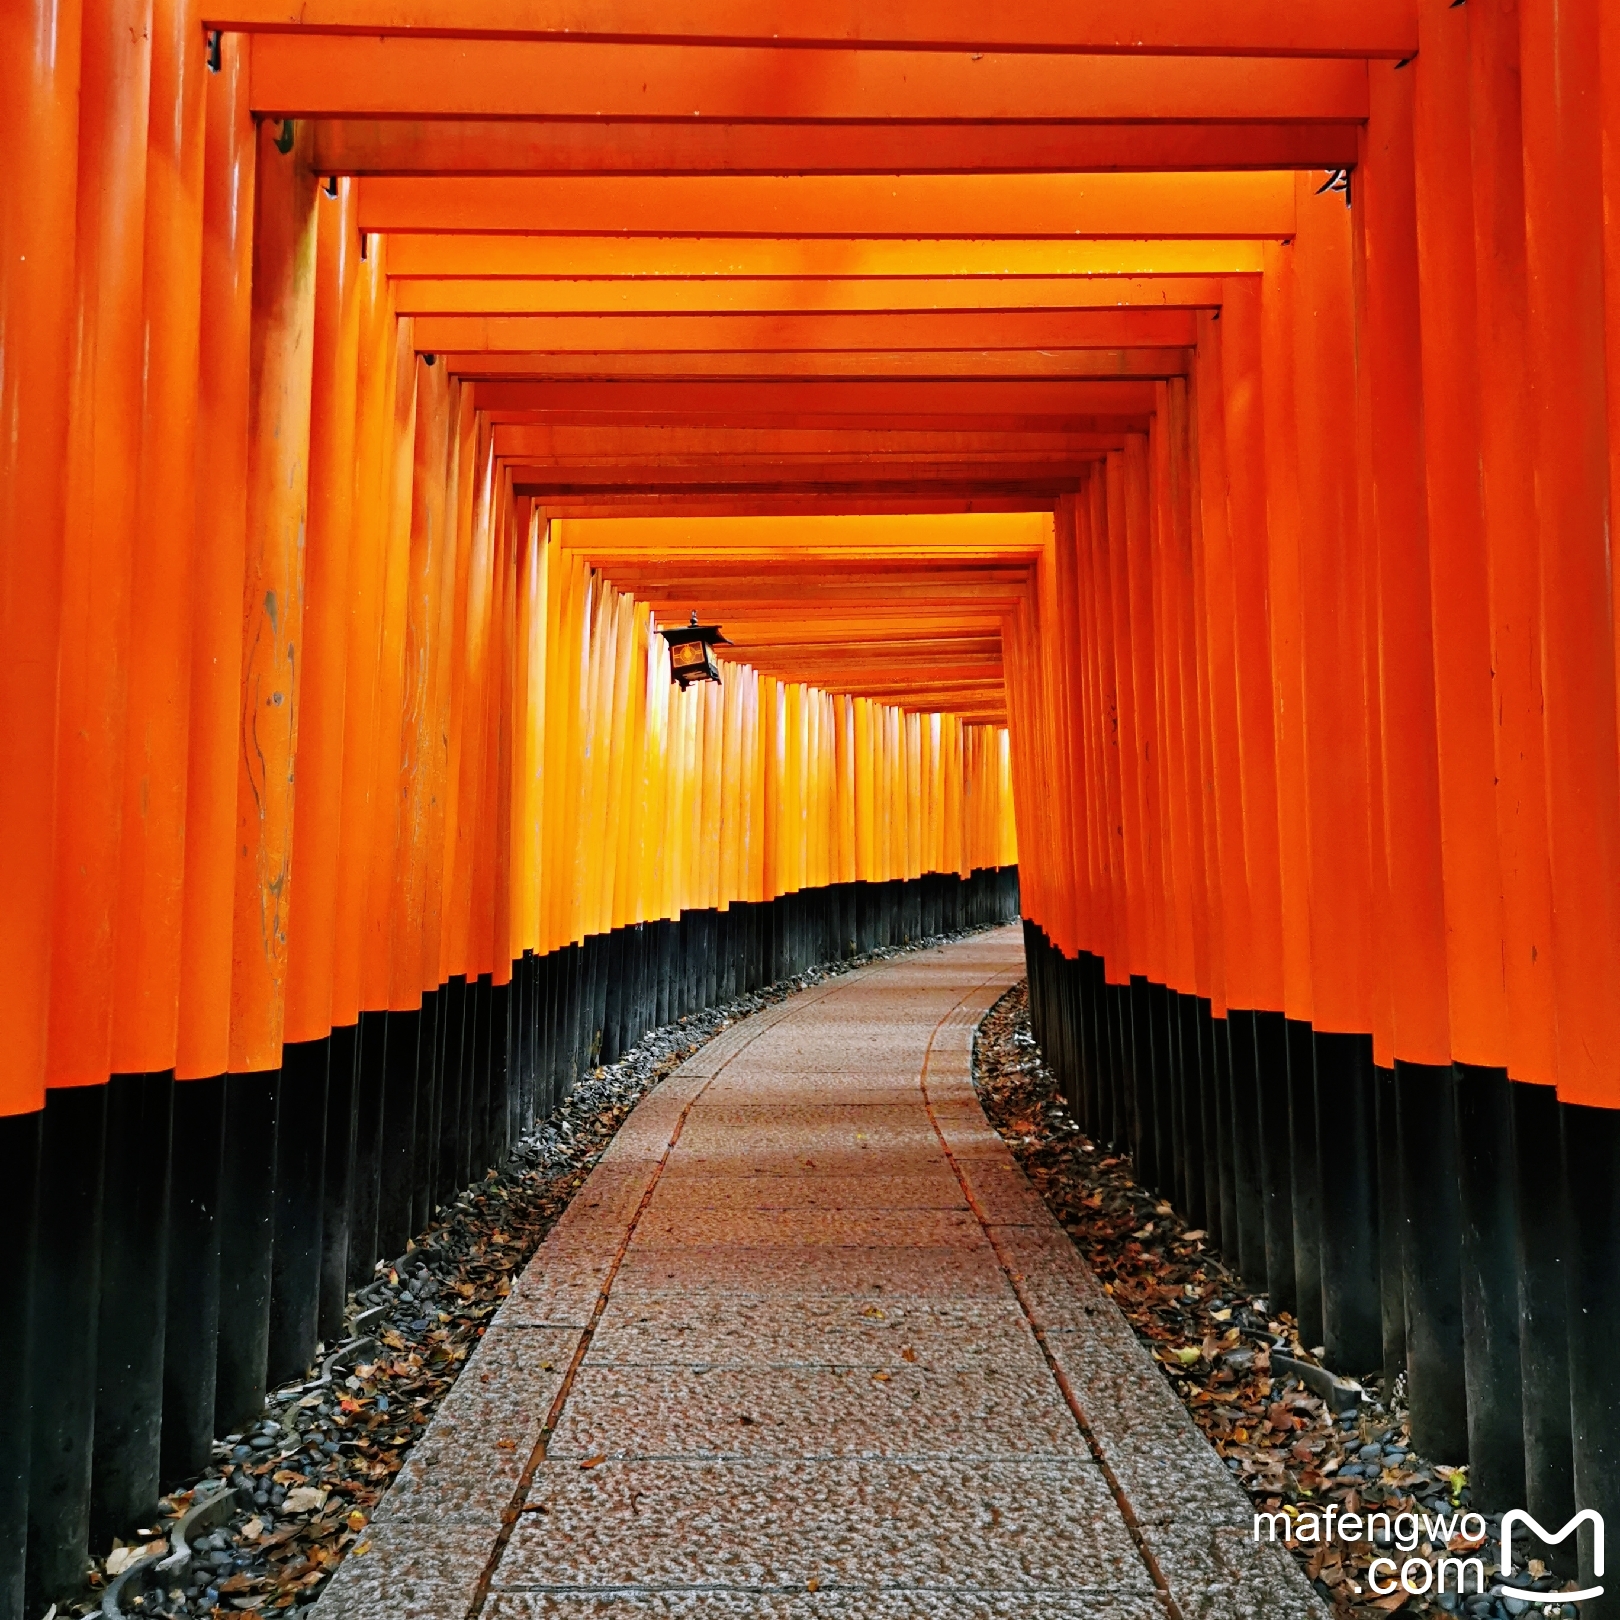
point(945, 1273)
point(962, 1602)
point(1010, 1524)
point(860, 1159)
point(731, 1332)
point(788, 1331)
point(907, 1226)
point(809, 1412)
point(824, 1190)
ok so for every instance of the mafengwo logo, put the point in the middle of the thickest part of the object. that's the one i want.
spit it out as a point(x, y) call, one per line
point(1516, 1516)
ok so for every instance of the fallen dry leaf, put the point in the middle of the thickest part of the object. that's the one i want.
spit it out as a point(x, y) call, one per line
point(593, 1462)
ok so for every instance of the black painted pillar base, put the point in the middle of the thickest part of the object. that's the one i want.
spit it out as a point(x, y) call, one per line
point(1537, 1169)
point(394, 1200)
point(473, 1143)
point(337, 1180)
point(19, 1214)
point(553, 1031)
point(439, 1125)
point(129, 1338)
point(1163, 1091)
point(1217, 1191)
point(432, 1048)
point(191, 1329)
point(295, 1266)
point(498, 1131)
point(247, 1212)
point(1194, 1081)
point(667, 933)
point(573, 1020)
point(1141, 1083)
point(1347, 1144)
point(1490, 1304)
point(1119, 1031)
point(67, 1296)
point(1306, 1175)
point(1591, 1161)
point(1436, 1379)
point(1219, 1196)
point(1231, 1223)
point(596, 957)
point(1276, 1144)
point(1391, 1228)
point(1246, 1151)
point(613, 992)
point(368, 1131)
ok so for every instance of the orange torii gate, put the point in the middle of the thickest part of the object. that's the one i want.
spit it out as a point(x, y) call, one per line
point(1196, 418)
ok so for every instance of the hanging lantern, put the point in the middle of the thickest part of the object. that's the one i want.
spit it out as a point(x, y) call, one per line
point(691, 652)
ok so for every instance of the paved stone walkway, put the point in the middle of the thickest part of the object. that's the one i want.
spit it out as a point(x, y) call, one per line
point(807, 1340)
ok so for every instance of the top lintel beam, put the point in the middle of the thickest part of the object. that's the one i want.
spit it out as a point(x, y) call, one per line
point(1370, 28)
point(972, 207)
point(413, 77)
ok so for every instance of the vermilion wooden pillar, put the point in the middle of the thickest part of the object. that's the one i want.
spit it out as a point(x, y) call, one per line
point(1507, 482)
point(1336, 694)
point(301, 1204)
point(1428, 1339)
point(104, 470)
point(39, 125)
point(219, 537)
point(1464, 708)
point(97, 551)
point(1562, 128)
point(1283, 588)
point(277, 513)
point(39, 58)
point(129, 1396)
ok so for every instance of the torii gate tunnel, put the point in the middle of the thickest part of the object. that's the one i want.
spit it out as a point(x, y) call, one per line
point(1186, 432)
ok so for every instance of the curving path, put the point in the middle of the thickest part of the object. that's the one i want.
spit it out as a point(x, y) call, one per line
point(808, 1341)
